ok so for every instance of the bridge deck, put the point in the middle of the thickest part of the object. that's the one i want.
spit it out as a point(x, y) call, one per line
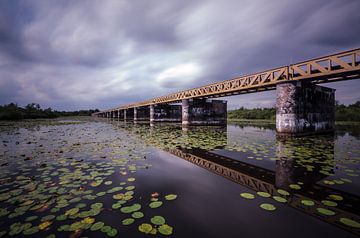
point(335, 67)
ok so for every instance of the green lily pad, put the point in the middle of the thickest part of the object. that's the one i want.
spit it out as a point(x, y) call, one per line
point(295, 186)
point(170, 197)
point(268, 206)
point(350, 222)
point(264, 194)
point(158, 220)
point(336, 197)
point(97, 226)
point(96, 205)
point(31, 230)
point(155, 204)
point(308, 202)
point(329, 203)
point(112, 233)
point(247, 195)
point(105, 229)
point(137, 215)
point(145, 228)
point(128, 221)
point(130, 188)
point(165, 229)
point(325, 211)
point(280, 199)
point(283, 192)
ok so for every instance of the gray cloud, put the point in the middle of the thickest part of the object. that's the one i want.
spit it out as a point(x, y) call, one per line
point(86, 54)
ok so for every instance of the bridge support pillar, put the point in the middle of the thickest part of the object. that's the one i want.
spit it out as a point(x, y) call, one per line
point(129, 114)
point(141, 113)
point(165, 113)
point(204, 112)
point(303, 108)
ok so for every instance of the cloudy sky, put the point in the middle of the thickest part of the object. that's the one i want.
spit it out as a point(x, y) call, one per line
point(72, 55)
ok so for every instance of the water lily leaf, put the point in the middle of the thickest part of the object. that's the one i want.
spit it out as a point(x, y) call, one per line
point(106, 229)
point(131, 179)
point(97, 226)
point(308, 202)
point(128, 221)
point(145, 228)
point(165, 229)
point(96, 205)
point(31, 230)
point(268, 206)
point(44, 225)
point(137, 215)
point(170, 197)
point(112, 233)
point(130, 188)
point(325, 211)
point(283, 192)
point(264, 194)
point(155, 204)
point(350, 222)
point(280, 199)
point(336, 197)
point(247, 195)
point(329, 203)
point(295, 186)
point(157, 220)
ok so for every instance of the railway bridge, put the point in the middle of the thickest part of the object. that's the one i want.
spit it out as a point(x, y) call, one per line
point(302, 106)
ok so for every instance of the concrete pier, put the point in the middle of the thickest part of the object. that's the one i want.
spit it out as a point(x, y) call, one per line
point(129, 114)
point(141, 114)
point(204, 112)
point(303, 108)
point(165, 113)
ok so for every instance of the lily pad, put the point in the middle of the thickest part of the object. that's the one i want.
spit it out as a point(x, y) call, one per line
point(268, 206)
point(158, 220)
point(308, 202)
point(128, 221)
point(325, 211)
point(350, 222)
point(264, 194)
point(97, 226)
point(295, 186)
point(170, 197)
point(280, 199)
point(145, 228)
point(112, 233)
point(165, 229)
point(336, 197)
point(247, 195)
point(329, 203)
point(155, 204)
point(137, 215)
point(283, 192)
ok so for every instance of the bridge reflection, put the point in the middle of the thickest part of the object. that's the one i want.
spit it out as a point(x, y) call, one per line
point(296, 162)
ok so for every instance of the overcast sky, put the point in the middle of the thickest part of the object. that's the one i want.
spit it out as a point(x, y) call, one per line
point(72, 55)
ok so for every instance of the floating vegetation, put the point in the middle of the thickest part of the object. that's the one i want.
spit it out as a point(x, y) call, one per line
point(170, 197)
point(308, 203)
point(155, 204)
point(145, 228)
point(165, 229)
point(264, 194)
point(158, 220)
point(325, 211)
point(128, 221)
point(247, 195)
point(268, 207)
point(349, 222)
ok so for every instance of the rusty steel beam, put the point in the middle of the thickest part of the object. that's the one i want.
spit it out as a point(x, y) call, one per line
point(335, 67)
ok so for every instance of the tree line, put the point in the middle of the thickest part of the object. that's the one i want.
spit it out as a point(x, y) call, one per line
point(33, 111)
point(342, 113)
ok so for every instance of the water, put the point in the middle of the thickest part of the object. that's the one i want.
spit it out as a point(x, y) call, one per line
point(67, 178)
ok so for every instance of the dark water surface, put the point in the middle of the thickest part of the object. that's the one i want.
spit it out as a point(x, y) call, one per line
point(97, 178)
